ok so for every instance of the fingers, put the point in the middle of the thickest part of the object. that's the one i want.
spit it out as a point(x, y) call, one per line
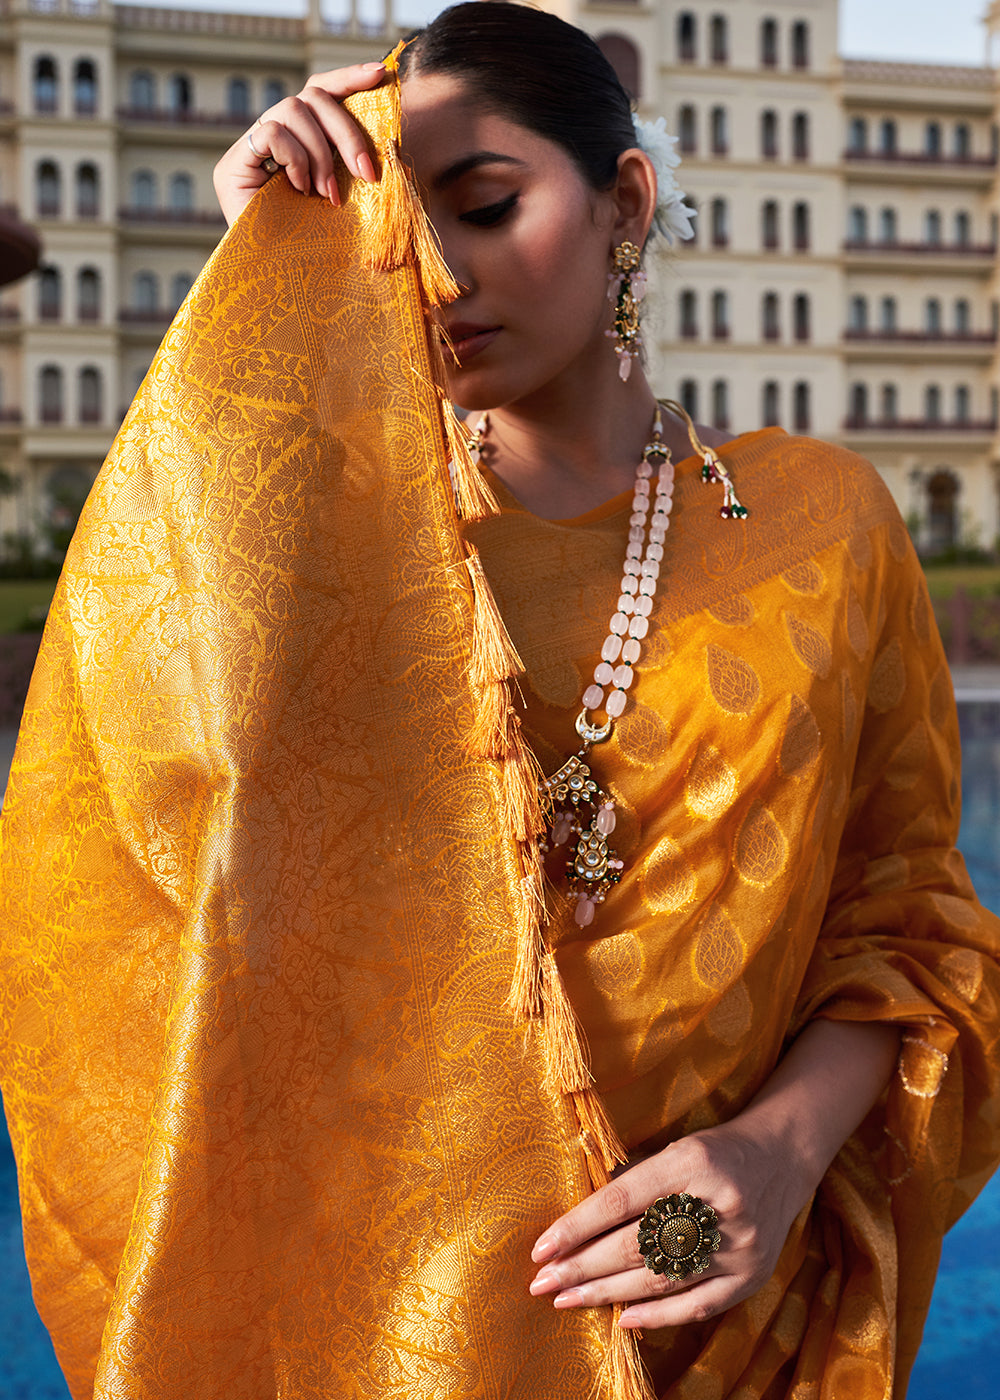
point(623, 1199)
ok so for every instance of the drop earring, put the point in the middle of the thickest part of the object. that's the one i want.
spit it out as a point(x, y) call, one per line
point(626, 288)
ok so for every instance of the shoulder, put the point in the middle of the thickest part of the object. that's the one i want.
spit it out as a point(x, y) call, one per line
point(792, 471)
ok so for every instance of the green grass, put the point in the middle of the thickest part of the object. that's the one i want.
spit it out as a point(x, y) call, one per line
point(23, 601)
point(978, 580)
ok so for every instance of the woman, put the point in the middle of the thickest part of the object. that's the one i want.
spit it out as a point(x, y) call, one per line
point(787, 989)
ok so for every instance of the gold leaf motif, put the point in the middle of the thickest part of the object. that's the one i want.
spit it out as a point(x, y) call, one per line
point(909, 759)
point(667, 881)
point(804, 578)
point(886, 874)
point(899, 541)
point(711, 784)
point(962, 969)
point(615, 963)
point(941, 698)
point(809, 645)
point(859, 547)
point(888, 678)
point(801, 743)
point(643, 735)
point(718, 951)
point(735, 684)
point(849, 707)
point(761, 848)
point(736, 610)
point(730, 1020)
point(857, 628)
point(920, 616)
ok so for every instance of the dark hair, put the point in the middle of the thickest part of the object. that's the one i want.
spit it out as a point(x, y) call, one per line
point(538, 71)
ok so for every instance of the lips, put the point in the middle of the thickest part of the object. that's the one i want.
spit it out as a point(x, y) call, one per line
point(468, 338)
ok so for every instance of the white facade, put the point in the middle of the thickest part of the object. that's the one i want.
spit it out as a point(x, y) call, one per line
point(842, 281)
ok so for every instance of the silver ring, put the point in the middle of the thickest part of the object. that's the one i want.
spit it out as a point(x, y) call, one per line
point(259, 154)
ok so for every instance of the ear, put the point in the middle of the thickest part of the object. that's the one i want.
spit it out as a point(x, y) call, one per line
point(635, 196)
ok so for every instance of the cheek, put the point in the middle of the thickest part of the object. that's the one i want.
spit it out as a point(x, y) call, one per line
point(563, 264)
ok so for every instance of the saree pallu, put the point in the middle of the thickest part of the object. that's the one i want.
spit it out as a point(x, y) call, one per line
point(278, 1132)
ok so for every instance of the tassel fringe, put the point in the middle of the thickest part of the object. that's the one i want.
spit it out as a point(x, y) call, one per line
point(622, 1373)
point(525, 996)
point(522, 812)
point(489, 736)
point(473, 497)
point(601, 1143)
point(494, 656)
point(565, 1065)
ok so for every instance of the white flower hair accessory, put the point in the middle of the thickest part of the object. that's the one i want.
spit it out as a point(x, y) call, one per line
point(673, 217)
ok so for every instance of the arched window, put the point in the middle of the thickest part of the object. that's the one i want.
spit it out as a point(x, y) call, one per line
point(623, 56)
point(720, 316)
point(770, 323)
point(857, 406)
point(932, 316)
point(238, 98)
point(963, 229)
point(889, 403)
point(142, 91)
point(689, 315)
point(718, 39)
point(689, 398)
point(146, 293)
point(963, 141)
point(768, 43)
point(887, 229)
point(143, 186)
point(932, 226)
point(46, 84)
point(50, 394)
point(88, 200)
point(932, 403)
point(91, 395)
point(801, 407)
point(274, 91)
point(84, 88)
point(770, 404)
point(942, 509)
point(800, 227)
point(720, 404)
point(88, 294)
point(962, 317)
point(720, 223)
point(179, 287)
point(800, 136)
point(49, 294)
point(769, 134)
point(179, 93)
point(857, 136)
point(769, 235)
point(687, 129)
point(887, 136)
point(687, 37)
point(800, 44)
point(857, 224)
point(801, 317)
point(48, 190)
point(857, 315)
point(962, 402)
point(181, 193)
point(932, 140)
point(887, 316)
point(719, 124)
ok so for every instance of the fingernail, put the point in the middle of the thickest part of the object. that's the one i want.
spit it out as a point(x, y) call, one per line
point(365, 168)
point(572, 1298)
point(629, 1319)
point(372, 67)
point(544, 1282)
point(544, 1249)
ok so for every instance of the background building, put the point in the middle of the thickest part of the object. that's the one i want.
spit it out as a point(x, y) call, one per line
point(842, 280)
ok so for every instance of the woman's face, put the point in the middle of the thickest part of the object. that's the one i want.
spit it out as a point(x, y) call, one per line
point(525, 236)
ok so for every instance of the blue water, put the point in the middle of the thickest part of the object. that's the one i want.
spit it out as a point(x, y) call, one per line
point(962, 1340)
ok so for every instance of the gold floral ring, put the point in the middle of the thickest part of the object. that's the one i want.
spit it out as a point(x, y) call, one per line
point(678, 1236)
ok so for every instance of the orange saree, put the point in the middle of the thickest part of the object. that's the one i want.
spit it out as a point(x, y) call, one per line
point(290, 1071)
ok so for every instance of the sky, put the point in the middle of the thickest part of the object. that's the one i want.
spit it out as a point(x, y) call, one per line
point(934, 31)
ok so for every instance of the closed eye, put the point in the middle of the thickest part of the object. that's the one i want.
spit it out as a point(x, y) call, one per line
point(490, 214)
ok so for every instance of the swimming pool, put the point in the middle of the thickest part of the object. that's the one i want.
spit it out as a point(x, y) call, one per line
point(962, 1339)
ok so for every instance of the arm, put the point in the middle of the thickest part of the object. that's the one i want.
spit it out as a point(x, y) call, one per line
point(758, 1171)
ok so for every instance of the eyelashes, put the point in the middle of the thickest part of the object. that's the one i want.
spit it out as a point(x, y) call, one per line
point(490, 214)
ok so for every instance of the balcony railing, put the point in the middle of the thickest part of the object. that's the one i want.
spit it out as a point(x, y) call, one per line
point(137, 214)
point(142, 316)
point(51, 414)
point(49, 208)
point(9, 314)
point(867, 245)
point(922, 158)
point(923, 337)
point(853, 423)
point(10, 415)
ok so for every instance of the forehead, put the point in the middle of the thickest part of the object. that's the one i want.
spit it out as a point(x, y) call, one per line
point(444, 125)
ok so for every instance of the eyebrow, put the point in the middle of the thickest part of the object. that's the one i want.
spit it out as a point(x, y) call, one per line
point(472, 162)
